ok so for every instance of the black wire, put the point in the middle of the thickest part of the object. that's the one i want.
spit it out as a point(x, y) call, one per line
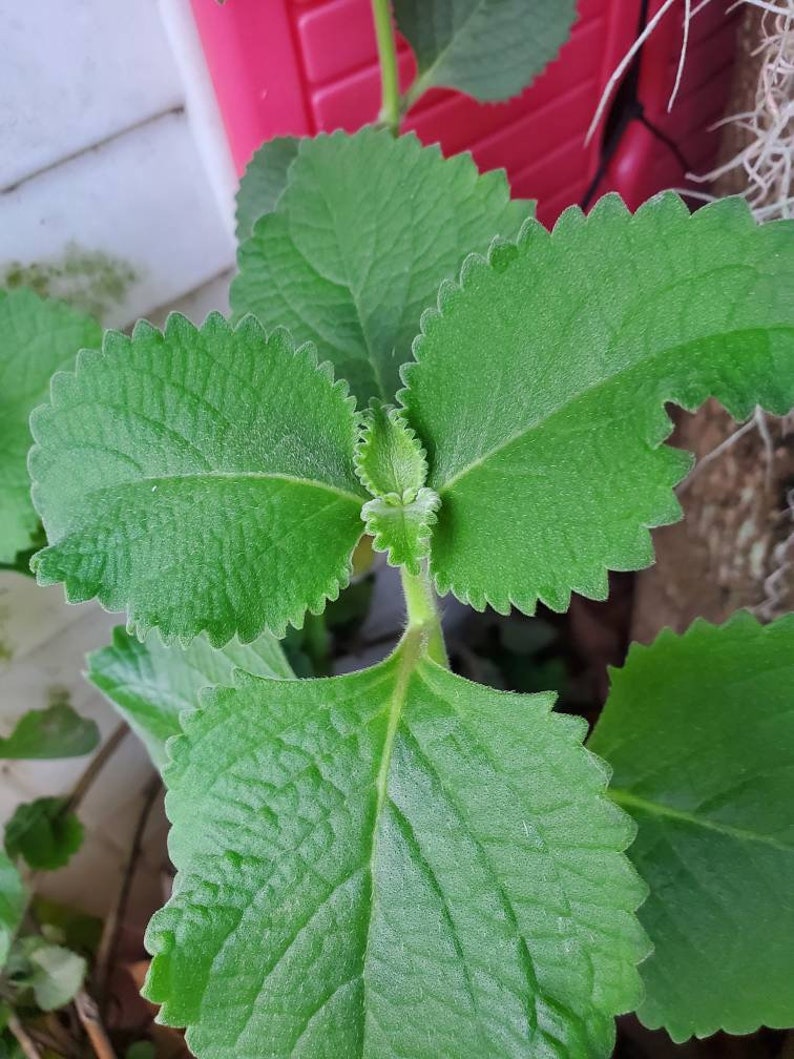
point(626, 108)
point(666, 140)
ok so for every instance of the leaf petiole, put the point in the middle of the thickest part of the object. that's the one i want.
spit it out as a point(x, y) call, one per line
point(422, 610)
point(389, 73)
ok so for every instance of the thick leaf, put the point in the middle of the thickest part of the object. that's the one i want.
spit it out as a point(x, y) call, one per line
point(44, 833)
point(202, 478)
point(490, 49)
point(366, 229)
point(700, 732)
point(52, 733)
point(150, 684)
point(12, 904)
point(37, 338)
point(541, 380)
point(389, 460)
point(402, 528)
point(263, 182)
point(396, 862)
point(391, 464)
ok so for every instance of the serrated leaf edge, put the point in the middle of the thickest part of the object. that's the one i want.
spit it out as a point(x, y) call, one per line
point(678, 1031)
point(252, 161)
point(425, 497)
point(364, 444)
point(113, 343)
point(157, 938)
point(500, 256)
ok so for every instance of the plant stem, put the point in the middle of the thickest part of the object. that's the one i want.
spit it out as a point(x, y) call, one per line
point(95, 766)
point(108, 945)
point(317, 643)
point(420, 603)
point(389, 74)
point(24, 1040)
point(88, 1013)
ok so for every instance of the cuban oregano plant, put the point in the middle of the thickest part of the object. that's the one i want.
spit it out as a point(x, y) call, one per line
point(37, 337)
point(699, 730)
point(399, 861)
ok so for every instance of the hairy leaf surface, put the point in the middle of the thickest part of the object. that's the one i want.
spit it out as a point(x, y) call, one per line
point(365, 230)
point(203, 479)
point(355, 849)
point(263, 182)
point(490, 49)
point(700, 732)
point(391, 464)
point(402, 528)
point(150, 683)
point(541, 380)
point(55, 732)
point(37, 338)
point(389, 460)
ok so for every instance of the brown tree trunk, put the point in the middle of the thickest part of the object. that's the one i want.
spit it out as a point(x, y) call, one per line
point(735, 547)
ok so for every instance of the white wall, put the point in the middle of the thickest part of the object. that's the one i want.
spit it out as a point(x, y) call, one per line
point(110, 141)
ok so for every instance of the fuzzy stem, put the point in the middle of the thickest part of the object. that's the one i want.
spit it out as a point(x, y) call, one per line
point(389, 74)
point(422, 609)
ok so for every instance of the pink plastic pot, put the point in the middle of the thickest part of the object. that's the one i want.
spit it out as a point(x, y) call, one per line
point(300, 66)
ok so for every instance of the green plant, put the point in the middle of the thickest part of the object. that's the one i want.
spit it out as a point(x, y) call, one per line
point(400, 862)
point(40, 971)
point(353, 848)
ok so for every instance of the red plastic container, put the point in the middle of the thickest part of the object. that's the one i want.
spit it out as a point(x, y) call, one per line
point(300, 66)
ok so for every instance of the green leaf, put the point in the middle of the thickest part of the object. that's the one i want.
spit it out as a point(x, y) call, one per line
point(490, 49)
point(57, 976)
point(402, 528)
point(263, 182)
point(13, 900)
point(354, 849)
point(56, 732)
point(141, 1050)
point(699, 730)
point(364, 232)
point(202, 478)
point(150, 684)
point(389, 460)
point(10, 1047)
point(44, 833)
point(37, 337)
point(541, 380)
point(391, 464)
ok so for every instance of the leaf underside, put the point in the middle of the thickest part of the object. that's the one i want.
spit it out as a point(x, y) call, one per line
point(150, 683)
point(201, 478)
point(541, 380)
point(699, 730)
point(489, 49)
point(37, 338)
point(362, 235)
point(394, 841)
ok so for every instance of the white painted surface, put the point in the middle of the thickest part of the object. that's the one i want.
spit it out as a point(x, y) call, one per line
point(110, 142)
point(203, 112)
point(142, 197)
point(74, 72)
point(44, 646)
